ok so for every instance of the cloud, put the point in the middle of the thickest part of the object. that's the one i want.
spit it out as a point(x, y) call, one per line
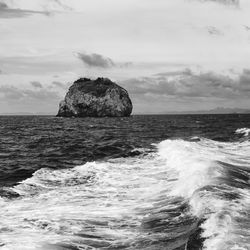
point(225, 2)
point(13, 99)
point(10, 92)
point(214, 31)
point(3, 5)
point(187, 84)
point(148, 85)
point(10, 10)
point(188, 90)
point(95, 60)
point(36, 84)
point(28, 64)
point(62, 5)
point(7, 11)
point(175, 73)
point(247, 28)
point(244, 81)
point(99, 61)
point(14, 93)
point(58, 84)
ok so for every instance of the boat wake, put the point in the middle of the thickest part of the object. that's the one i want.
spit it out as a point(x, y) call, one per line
point(185, 195)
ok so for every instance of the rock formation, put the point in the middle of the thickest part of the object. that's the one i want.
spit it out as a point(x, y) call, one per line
point(95, 98)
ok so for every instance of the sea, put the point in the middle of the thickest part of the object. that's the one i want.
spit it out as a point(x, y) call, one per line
point(153, 182)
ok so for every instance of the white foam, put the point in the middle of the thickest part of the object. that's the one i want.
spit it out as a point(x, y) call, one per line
point(244, 131)
point(198, 166)
point(56, 204)
point(193, 164)
point(98, 197)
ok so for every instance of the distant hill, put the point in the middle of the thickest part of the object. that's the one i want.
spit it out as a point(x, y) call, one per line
point(219, 110)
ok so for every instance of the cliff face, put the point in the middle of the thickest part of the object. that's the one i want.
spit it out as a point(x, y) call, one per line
point(95, 98)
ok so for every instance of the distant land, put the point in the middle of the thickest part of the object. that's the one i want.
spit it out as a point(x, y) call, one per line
point(219, 110)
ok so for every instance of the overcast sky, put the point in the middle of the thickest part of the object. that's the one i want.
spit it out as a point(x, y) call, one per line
point(171, 55)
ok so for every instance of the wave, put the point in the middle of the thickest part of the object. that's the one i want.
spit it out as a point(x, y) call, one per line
point(244, 131)
point(214, 177)
point(158, 200)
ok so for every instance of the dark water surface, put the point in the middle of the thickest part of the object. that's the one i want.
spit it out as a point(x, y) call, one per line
point(143, 182)
point(29, 143)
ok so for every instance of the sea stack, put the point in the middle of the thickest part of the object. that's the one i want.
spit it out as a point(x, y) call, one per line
point(95, 98)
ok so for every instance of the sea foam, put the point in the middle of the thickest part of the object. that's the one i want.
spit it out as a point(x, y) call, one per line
point(151, 201)
point(204, 178)
point(244, 131)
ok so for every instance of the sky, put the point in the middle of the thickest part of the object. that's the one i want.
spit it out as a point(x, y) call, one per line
point(171, 55)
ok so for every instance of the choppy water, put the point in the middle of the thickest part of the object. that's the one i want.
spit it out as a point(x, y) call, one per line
point(144, 182)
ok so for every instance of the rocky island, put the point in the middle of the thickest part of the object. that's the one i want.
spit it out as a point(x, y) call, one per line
point(95, 98)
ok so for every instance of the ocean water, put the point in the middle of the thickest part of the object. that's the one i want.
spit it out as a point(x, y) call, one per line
point(143, 182)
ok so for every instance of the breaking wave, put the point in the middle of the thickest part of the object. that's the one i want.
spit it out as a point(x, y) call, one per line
point(185, 195)
point(244, 131)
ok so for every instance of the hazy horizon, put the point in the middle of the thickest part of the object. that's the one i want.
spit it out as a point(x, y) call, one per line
point(218, 110)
